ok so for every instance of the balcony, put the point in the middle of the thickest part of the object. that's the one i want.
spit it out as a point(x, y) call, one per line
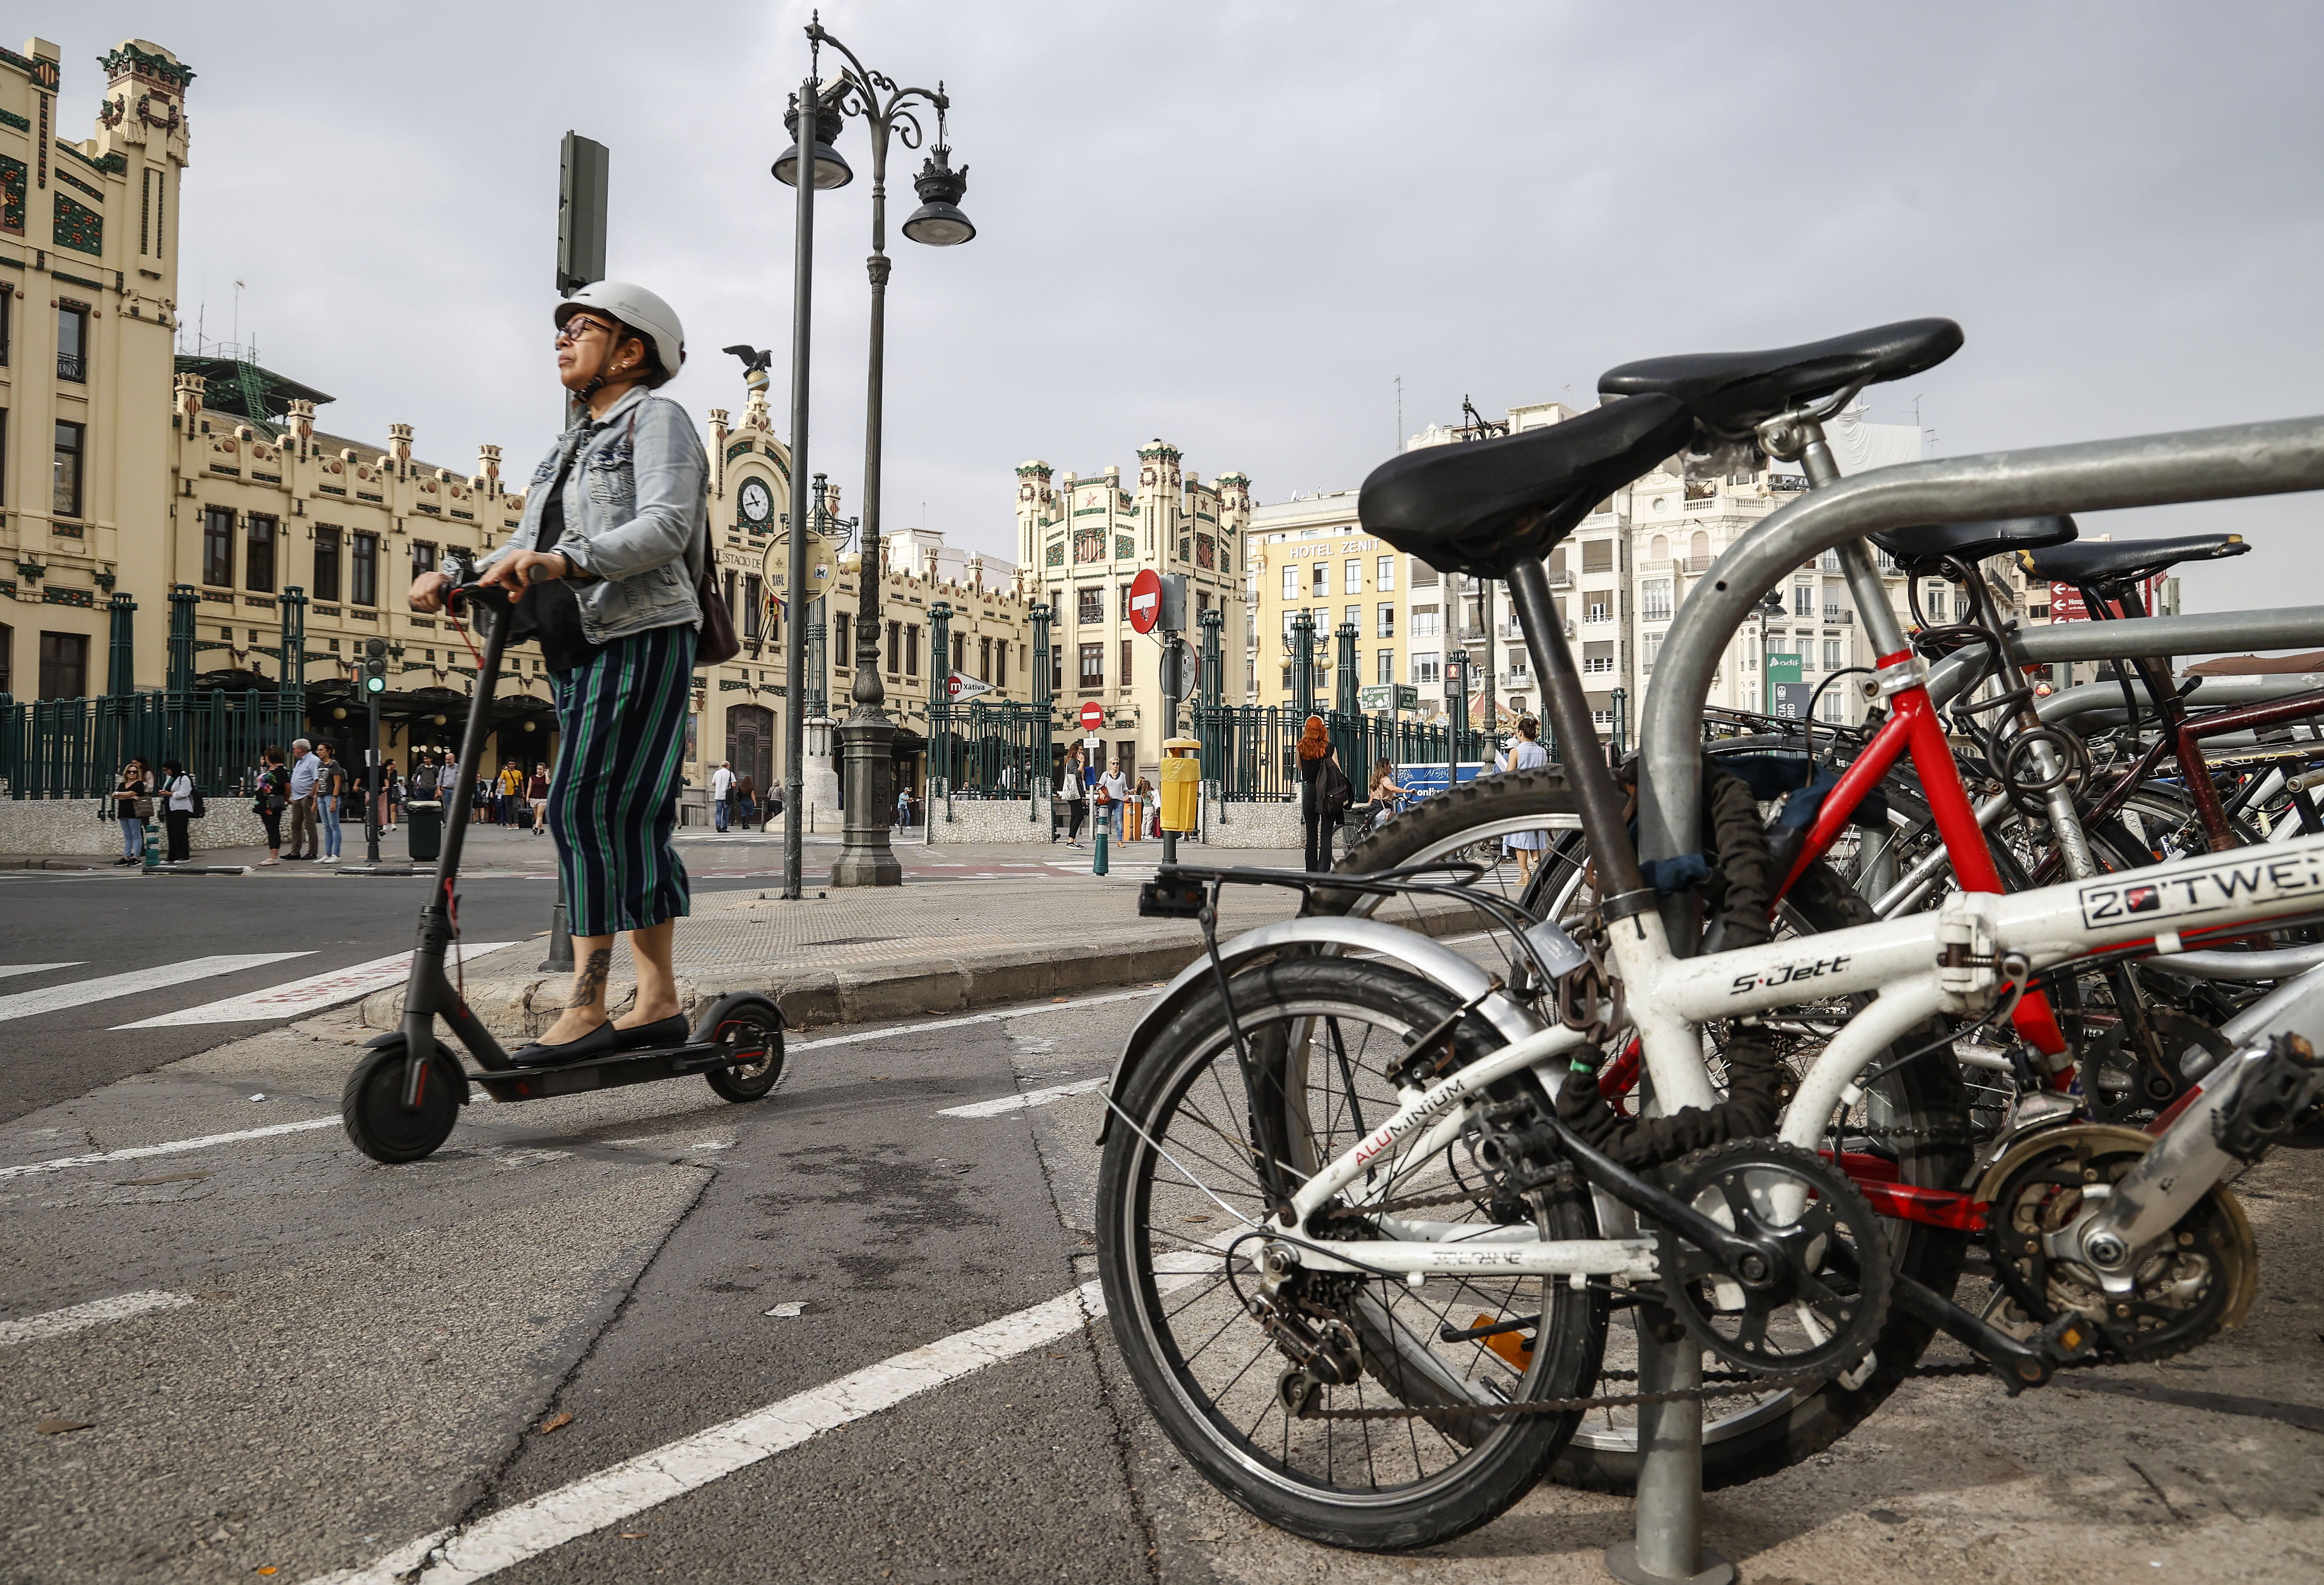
point(72, 367)
point(1841, 615)
point(1695, 564)
point(1559, 578)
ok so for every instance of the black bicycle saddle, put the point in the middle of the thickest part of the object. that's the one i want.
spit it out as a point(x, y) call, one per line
point(1482, 507)
point(2106, 561)
point(1928, 542)
point(1731, 391)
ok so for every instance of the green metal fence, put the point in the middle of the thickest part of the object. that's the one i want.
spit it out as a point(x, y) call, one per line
point(73, 748)
point(996, 749)
point(1251, 752)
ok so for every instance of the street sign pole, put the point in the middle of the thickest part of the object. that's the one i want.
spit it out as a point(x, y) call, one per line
point(374, 774)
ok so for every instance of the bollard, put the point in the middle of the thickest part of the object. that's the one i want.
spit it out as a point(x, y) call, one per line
point(1666, 1548)
point(152, 846)
point(1097, 850)
point(559, 960)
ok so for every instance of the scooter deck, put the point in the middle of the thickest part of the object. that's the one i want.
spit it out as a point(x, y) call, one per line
point(626, 1067)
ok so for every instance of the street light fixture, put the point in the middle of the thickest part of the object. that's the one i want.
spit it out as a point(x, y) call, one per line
point(831, 168)
point(888, 111)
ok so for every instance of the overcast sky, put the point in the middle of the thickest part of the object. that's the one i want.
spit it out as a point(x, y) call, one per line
point(1236, 226)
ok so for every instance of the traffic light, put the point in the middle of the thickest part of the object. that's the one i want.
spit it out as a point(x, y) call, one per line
point(375, 666)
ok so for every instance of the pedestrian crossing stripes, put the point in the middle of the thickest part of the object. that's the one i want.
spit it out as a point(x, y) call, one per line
point(8, 970)
point(25, 1004)
point(96, 1313)
point(310, 995)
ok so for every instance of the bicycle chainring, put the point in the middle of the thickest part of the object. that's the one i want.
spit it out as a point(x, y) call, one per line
point(1823, 1293)
point(2203, 1278)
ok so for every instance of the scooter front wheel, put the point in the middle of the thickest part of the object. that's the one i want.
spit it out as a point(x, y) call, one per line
point(377, 1121)
point(751, 1028)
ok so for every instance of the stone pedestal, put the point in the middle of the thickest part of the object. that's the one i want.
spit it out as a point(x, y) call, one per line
point(865, 858)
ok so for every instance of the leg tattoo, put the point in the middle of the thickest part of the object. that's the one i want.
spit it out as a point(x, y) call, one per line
point(589, 979)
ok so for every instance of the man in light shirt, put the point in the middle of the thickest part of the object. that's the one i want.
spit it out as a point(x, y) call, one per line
point(722, 794)
point(305, 769)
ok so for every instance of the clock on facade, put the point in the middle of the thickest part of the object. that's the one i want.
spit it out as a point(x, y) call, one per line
point(757, 503)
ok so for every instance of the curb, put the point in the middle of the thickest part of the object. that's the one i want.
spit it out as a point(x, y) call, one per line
point(51, 861)
point(525, 1005)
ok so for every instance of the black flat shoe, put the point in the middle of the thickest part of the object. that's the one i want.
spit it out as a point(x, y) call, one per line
point(669, 1031)
point(601, 1041)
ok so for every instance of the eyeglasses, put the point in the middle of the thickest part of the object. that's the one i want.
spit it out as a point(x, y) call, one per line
point(578, 326)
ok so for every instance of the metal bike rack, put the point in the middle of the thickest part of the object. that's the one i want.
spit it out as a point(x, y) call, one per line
point(2154, 470)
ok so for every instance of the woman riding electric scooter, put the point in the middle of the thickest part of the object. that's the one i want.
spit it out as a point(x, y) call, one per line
point(616, 530)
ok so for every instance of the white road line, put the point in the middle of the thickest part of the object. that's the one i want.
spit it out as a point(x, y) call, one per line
point(8, 969)
point(172, 1148)
point(1027, 1011)
point(24, 1004)
point(504, 1539)
point(96, 1313)
point(312, 995)
point(1024, 1099)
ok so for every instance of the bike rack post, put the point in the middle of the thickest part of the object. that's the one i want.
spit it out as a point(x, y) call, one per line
point(1667, 1548)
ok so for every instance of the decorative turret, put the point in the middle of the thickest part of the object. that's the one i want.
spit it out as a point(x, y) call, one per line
point(488, 465)
point(399, 442)
point(189, 399)
point(144, 100)
point(300, 419)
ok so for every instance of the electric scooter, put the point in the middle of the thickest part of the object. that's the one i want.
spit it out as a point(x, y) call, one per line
point(404, 1096)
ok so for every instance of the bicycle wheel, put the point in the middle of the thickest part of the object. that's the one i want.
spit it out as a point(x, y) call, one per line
point(1178, 1202)
point(1917, 1116)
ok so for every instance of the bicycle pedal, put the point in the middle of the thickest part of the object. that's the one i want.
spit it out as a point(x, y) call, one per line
point(1516, 1351)
point(2070, 1339)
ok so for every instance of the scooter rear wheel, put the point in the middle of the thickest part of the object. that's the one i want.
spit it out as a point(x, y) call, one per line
point(376, 1120)
point(748, 1028)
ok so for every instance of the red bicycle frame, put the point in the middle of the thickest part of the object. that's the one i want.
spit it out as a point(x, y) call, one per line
point(1914, 726)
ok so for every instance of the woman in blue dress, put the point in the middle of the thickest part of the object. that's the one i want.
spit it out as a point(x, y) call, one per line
point(1526, 755)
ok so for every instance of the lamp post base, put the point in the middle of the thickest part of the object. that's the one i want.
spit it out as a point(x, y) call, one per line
point(865, 857)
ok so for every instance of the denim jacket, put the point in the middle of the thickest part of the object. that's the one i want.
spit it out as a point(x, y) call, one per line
point(636, 515)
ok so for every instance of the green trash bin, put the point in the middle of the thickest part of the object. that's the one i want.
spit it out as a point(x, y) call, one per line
point(423, 829)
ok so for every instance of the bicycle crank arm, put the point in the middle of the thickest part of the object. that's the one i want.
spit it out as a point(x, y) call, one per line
point(1660, 1205)
point(2020, 1364)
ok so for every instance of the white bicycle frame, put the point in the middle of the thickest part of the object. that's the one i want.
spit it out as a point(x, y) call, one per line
point(1949, 961)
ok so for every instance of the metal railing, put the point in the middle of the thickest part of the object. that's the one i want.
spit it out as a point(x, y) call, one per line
point(75, 748)
point(1252, 751)
point(72, 367)
point(989, 750)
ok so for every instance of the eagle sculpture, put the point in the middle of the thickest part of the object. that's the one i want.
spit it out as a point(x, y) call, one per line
point(755, 361)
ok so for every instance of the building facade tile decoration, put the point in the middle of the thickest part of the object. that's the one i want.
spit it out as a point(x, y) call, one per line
point(12, 195)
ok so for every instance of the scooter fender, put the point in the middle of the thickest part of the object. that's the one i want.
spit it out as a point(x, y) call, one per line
point(705, 1027)
point(1438, 964)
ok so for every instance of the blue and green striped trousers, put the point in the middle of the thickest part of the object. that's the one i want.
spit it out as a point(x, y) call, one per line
point(612, 799)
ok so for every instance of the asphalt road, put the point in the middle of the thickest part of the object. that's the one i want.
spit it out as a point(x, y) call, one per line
point(229, 1344)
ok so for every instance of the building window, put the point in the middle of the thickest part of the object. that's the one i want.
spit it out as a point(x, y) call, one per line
point(959, 652)
point(1001, 664)
point(1831, 704)
point(1385, 628)
point(1803, 600)
point(1126, 653)
point(258, 553)
point(7, 658)
point(1291, 583)
point(72, 344)
point(1598, 658)
point(1202, 605)
point(1057, 668)
point(1832, 655)
point(1352, 578)
point(1934, 606)
point(1092, 672)
point(984, 659)
point(218, 546)
point(1598, 555)
point(326, 562)
point(728, 590)
point(1384, 666)
point(8, 323)
point(912, 650)
point(843, 656)
point(64, 666)
point(65, 498)
point(753, 597)
point(1648, 650)
point(1654, 600)
point(1286, 679)
point(1125, 602)
point(1322, 583)
point(1427, 668)
point(1352, 616)
point(1424, 623)
point(363, 580)
point(895, 645)
point(1384, 575)
point(1658, 548)
point(1597, 610)
point(1090, 606)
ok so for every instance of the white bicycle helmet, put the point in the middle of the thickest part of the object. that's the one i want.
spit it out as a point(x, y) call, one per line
point(641, 310)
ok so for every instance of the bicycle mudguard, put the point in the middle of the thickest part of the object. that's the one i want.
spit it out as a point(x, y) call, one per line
point(1465, 981)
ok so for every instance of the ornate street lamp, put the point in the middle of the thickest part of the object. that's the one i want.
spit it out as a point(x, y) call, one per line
point(865, 857)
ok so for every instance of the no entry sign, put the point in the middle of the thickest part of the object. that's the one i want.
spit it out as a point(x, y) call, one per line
point(1093, 716)
point(1145, 600)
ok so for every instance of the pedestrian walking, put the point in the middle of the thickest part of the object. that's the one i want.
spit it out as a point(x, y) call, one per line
point(178, 801)
point(746, 802)
point(1324, 792)
point(1141, 799)
point(1526, 755)
point(391, 789)
point(305, 768)
point(269, 798)
point(903, 808)
point(1114, 788)
point(537, 791)
point(330, 788)
point(512, 792)
point(722, 795)
point(131, 804)
point(617, 525)
point(1075, 790)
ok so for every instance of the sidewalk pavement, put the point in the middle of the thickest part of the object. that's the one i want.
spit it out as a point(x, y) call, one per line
point(925, 948)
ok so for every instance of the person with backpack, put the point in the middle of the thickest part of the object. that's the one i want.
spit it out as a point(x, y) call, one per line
point(182, 803)
point(1324, 792)
point(270, 797)
point(616, 530)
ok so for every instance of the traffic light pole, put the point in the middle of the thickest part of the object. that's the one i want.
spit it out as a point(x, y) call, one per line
point(374, 775)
